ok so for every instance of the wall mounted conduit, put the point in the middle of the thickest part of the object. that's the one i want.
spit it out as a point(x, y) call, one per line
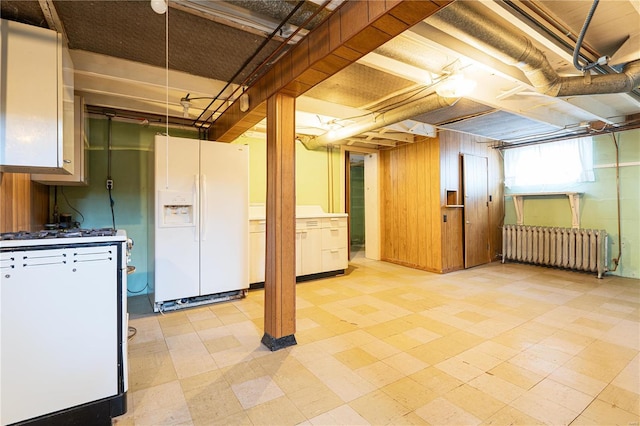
point(616, 261)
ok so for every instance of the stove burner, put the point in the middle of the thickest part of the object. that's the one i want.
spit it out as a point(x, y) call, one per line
point(58, 233)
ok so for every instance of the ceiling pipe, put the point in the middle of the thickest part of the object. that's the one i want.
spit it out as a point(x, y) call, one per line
point(427, 104)
point(470, 23)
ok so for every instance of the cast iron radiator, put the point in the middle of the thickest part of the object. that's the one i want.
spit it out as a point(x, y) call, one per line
point(569, 248)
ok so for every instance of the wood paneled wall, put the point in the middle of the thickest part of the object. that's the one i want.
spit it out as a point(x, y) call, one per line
point(452, 239)
point(414, 181)
point(24, 205)
point(410, 184)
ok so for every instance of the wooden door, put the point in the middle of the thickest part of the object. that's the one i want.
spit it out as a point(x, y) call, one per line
point(476, 210)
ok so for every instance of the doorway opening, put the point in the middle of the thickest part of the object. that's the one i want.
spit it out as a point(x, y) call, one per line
point(359, 175)
point(356, 201)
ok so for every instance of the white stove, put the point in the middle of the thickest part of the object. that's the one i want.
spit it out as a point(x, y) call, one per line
point(44, 236)
point(63, 316)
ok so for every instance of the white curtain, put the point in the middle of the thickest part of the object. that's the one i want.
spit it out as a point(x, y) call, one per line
point(562, 162)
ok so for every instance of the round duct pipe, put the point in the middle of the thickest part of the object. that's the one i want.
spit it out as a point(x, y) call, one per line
point(429, 103)
point(470, 23)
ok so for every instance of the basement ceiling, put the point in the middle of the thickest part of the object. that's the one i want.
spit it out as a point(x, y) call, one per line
point(121, 63)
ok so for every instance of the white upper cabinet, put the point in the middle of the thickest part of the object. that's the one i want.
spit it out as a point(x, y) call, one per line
point(80, 176)
point(36, 98)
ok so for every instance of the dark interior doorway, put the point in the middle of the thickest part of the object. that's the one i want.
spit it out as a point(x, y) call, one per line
point(356, 205)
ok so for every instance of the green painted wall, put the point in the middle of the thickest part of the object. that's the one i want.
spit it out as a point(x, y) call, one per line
point(356, 208)
point(316, 172)
point(132, 146)
point(598, 205)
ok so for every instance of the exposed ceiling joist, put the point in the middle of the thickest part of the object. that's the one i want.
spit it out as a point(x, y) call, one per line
point(384, 134)
point(53, 20)
point(357, 85)
point(380, 142)
point(397, 68)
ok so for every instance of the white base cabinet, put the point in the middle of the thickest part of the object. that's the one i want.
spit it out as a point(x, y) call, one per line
point(321, 242)
point(334, 243)
point(257, 244)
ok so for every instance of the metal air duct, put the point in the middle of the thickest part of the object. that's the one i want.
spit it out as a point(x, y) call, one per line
point(427, 104)
point(469, 22)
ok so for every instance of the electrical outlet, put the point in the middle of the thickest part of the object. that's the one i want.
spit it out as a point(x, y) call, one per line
point(109, 183)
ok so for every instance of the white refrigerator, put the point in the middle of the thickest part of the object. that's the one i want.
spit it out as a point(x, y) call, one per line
point(200, 243)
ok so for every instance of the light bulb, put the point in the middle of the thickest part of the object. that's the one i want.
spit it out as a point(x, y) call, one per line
point(455, 86)
point(159, 6)
point(244, 102)
point(185, 107)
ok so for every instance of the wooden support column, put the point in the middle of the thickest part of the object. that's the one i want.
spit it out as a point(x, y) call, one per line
point(280, 272)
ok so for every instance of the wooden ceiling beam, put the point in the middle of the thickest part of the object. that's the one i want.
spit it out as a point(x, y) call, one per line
point(353, 30)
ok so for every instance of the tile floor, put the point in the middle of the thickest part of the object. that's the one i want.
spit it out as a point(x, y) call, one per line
point(384, 344)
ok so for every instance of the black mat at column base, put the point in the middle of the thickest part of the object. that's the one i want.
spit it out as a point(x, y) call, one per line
point(275, 344)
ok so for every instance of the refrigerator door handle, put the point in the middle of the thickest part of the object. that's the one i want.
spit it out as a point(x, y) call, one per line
point(196, 197)
point(204, 206)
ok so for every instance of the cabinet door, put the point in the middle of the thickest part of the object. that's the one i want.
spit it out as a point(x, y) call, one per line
point(299, 252)
point(32, 99)
point(334, 259)
point(334, 238)
point(311, 251)
point(257, 247)
point(80, 153)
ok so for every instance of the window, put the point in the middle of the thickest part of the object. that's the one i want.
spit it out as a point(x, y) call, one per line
point(562, 162)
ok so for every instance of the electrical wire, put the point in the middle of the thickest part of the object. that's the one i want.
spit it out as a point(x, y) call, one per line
point(576, 50)
point(535, 139)
point(56, 216)
point(69, 204)
point(112, 203)
point(406, 100)
point(132, 332)
point(109, 179)
point(401, 102)
point(253, 75)
point(248, 61)
point(386, 108)
point(250, 79)
point(139, 291)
